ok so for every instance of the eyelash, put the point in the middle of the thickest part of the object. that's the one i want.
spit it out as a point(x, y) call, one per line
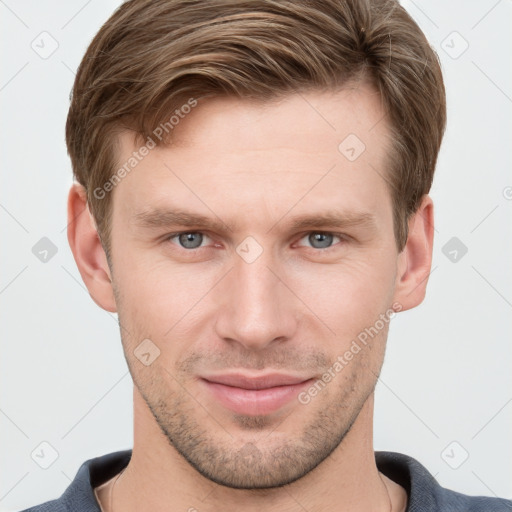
point(341, 236)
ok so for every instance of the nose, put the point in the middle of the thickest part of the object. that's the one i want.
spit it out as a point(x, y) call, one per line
point(255, 307)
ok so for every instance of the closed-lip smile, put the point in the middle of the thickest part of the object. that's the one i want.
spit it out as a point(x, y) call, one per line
point(254, 394)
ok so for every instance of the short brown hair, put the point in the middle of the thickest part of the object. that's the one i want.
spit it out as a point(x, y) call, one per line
point(152, 56)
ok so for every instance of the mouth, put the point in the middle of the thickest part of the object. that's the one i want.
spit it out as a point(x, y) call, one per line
point(254, 395)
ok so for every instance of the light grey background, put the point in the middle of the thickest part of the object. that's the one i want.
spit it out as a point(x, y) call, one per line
point(447, 375)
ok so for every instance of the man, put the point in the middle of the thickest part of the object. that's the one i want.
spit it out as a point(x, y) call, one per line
point(252, 200)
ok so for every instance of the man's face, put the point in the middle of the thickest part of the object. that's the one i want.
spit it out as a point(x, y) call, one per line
point(257, 294)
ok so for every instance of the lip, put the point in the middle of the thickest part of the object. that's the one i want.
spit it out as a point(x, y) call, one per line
point(254, 394)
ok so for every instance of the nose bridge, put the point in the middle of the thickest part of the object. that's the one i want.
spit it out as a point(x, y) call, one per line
point(256, 308)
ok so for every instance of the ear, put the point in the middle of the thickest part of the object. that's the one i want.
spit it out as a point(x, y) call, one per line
point(415, 260)
point(87, 250)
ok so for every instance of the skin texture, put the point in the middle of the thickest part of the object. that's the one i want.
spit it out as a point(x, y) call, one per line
point(294, 309)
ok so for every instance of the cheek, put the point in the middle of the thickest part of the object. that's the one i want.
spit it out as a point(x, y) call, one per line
point(163, 300)
point(347, 297)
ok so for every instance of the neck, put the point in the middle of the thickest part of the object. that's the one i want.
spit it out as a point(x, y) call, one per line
point(159, 479)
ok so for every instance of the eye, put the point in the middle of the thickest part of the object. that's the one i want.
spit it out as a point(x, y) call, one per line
point(193, 239)
point(187, 239)
point(321, 239)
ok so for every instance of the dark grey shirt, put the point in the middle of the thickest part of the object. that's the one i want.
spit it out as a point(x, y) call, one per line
point(425, 494)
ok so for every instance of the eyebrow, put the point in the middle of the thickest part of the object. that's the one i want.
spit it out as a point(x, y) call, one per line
point(159, 218)
point(163, 218)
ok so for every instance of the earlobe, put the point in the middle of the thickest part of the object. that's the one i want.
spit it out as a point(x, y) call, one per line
point(415, 261)
point(87, 250)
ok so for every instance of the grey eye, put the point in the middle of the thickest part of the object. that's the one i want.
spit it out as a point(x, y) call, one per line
point(190, 240)
point(323, 240)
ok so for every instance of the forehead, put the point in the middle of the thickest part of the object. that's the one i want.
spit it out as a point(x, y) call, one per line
point(300, 120)
point(231, 156)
